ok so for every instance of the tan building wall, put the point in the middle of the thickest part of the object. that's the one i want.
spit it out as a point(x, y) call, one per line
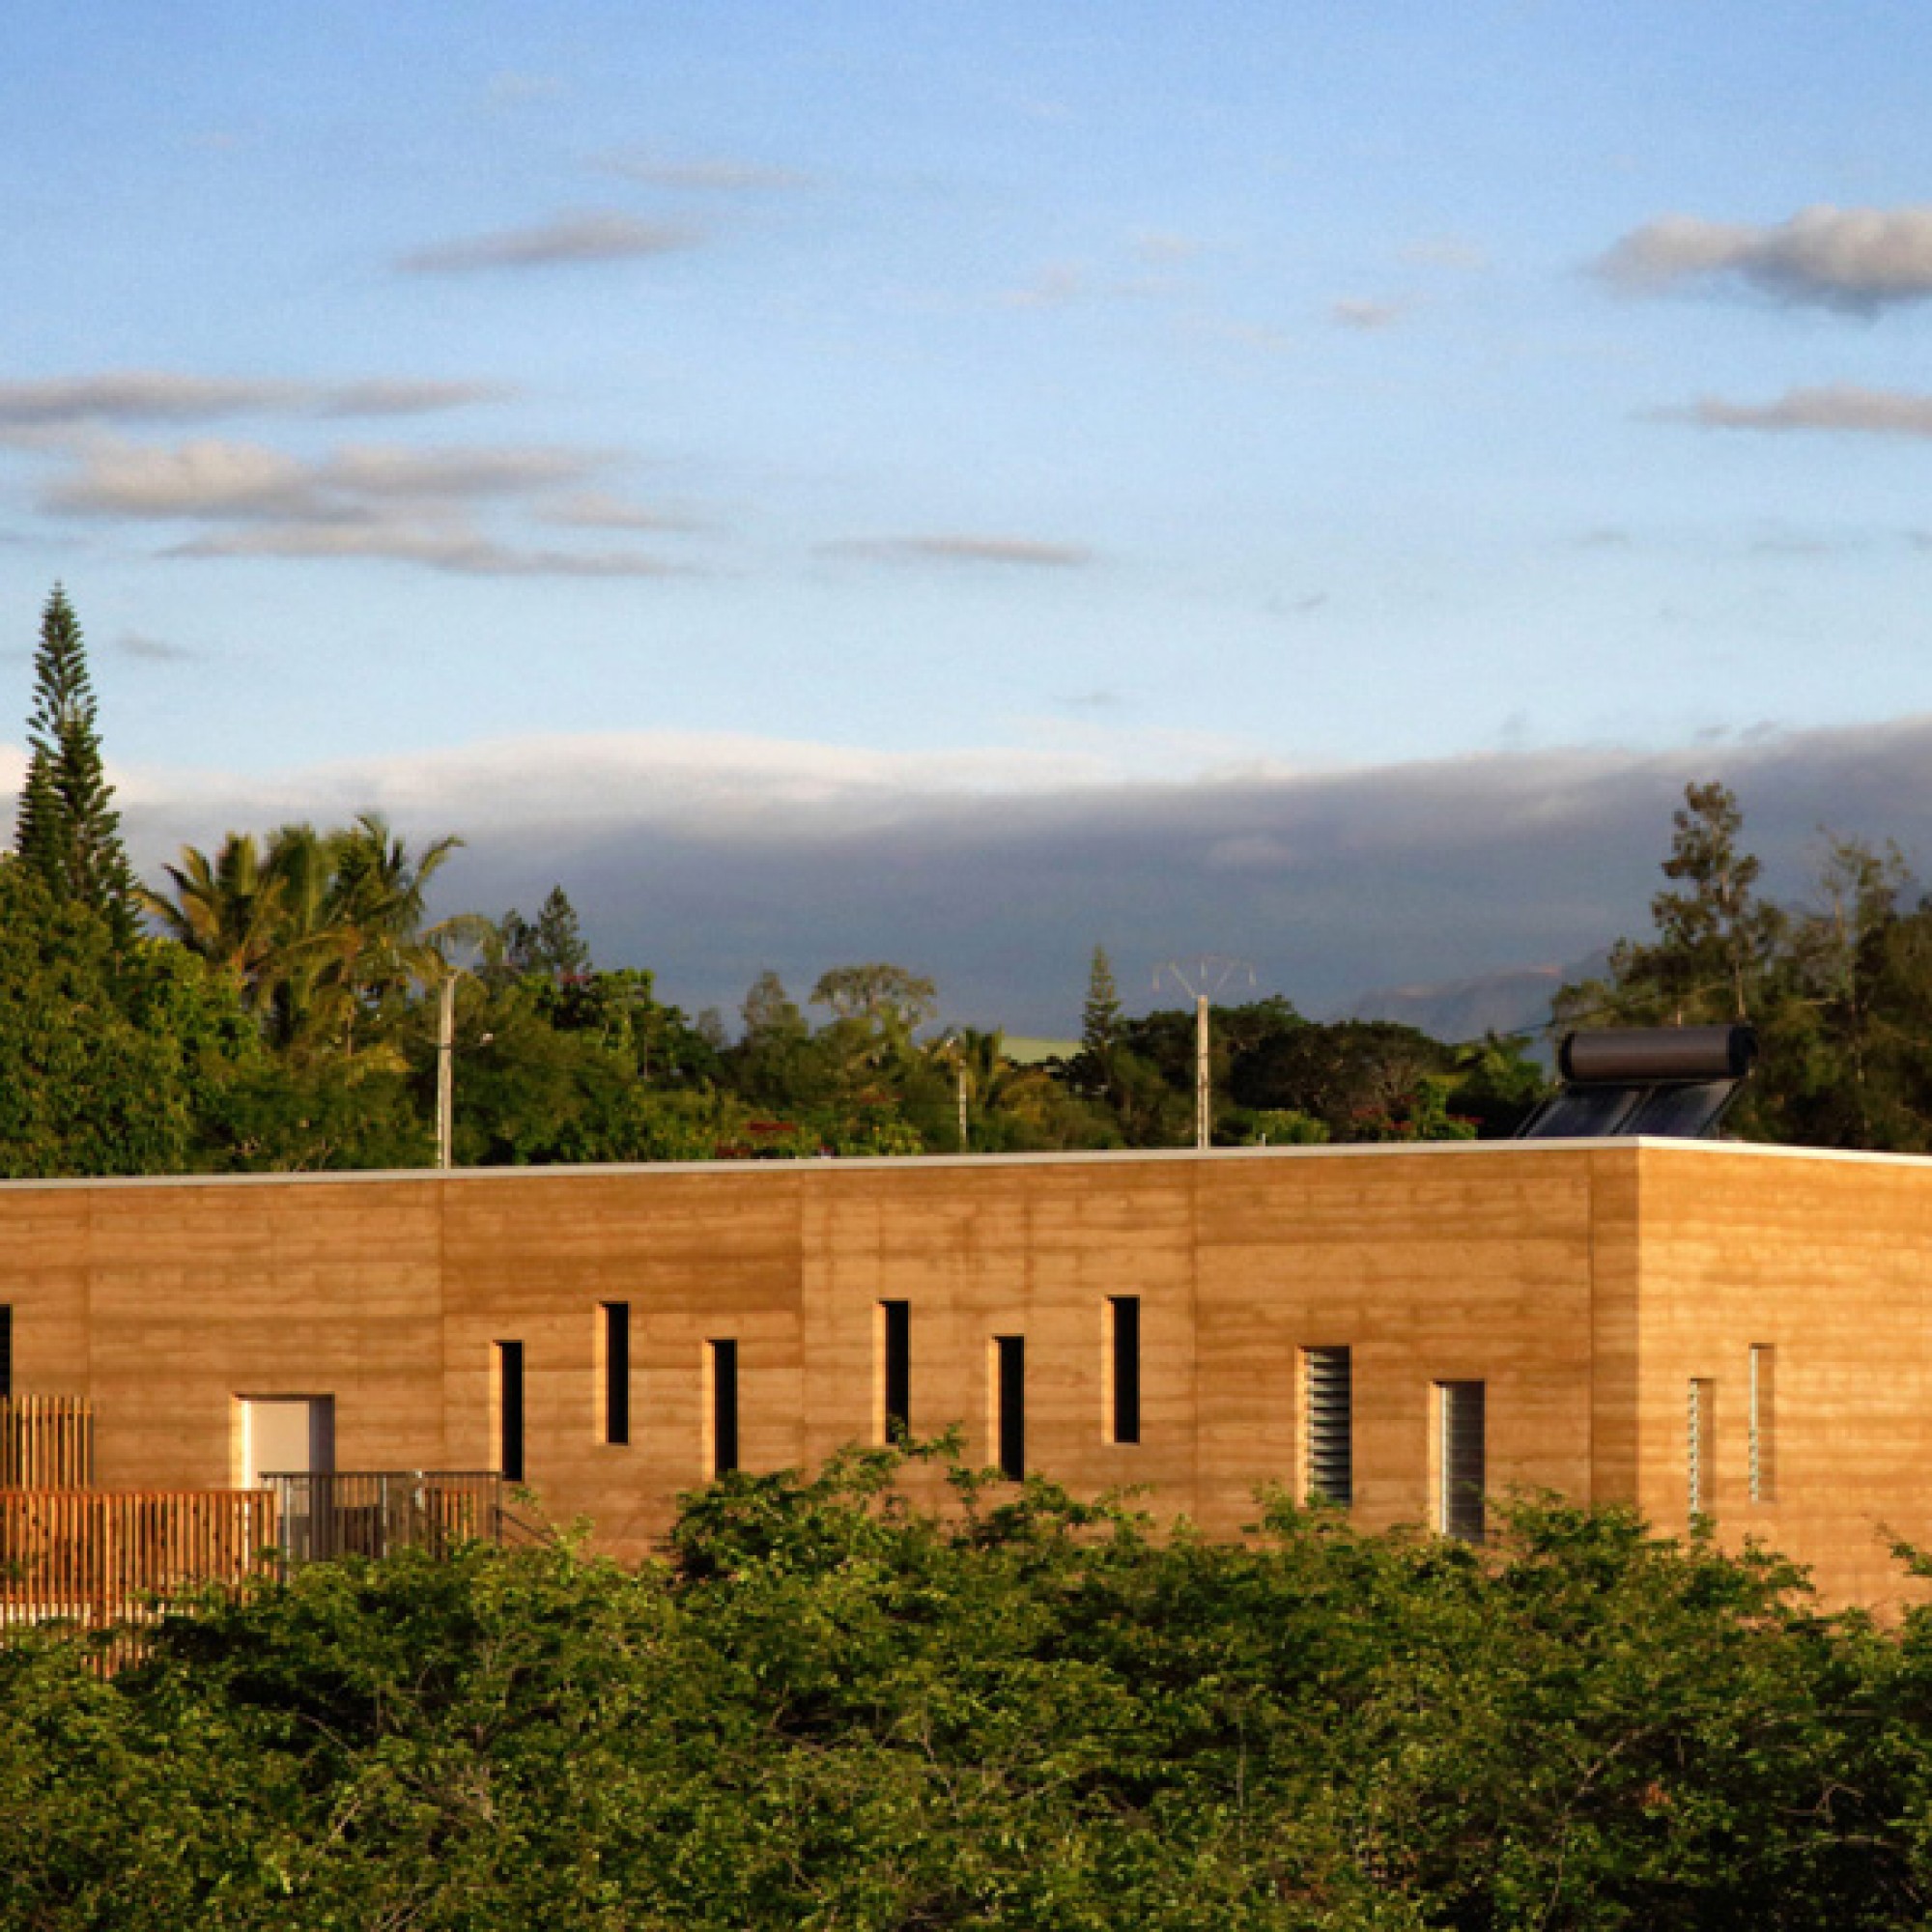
point(1585, 1285)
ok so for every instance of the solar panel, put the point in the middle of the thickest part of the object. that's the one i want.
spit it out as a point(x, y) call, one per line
point(1683, 1113)
point(1578, 1113)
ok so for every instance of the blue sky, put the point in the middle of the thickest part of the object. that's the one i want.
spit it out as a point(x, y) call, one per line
point(811, 419)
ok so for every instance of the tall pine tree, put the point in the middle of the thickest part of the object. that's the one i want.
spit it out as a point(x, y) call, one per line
point(1100, 1013)
point(67, 831)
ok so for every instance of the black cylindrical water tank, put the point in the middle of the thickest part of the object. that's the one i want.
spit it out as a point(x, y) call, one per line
point(1632, 1056)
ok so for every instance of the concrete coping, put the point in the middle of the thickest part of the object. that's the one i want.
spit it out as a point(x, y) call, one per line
point(899, 1163)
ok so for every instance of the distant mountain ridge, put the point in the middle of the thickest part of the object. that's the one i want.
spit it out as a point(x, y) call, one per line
point(1516, 1000)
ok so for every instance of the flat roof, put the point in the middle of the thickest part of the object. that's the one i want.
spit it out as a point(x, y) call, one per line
point(896, 1163)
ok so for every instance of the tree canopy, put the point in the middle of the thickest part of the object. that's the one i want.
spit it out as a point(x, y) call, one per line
point(1838, 984)
point(830, 1706)
point(299, 966)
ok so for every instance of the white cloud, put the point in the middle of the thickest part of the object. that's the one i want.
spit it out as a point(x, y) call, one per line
point(1055, 286)
point(510, 88)
point(1165, 247)
point(1447, 251)
point(1029, 552)
point(1851, 258)
point(1840, 406)
point(213, 478)
point(152, 651)
point(376, 470)
point(592, 237)
point(596, 510)
point(203, 478)
point(1356, 312)
point(372, 501)
point(709, 177)
point(452, 546)
point(160, 395)
point(401, 397)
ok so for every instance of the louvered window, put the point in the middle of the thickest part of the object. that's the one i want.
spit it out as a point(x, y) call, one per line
point(1698, 1434)
point(1463, 1457)
point(1329, 1386)
point(1763, 1434)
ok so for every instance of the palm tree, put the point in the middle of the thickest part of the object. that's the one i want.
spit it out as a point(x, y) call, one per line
point(321, 931)
point(984, 1078)
point(300, 859)
point(228, 909)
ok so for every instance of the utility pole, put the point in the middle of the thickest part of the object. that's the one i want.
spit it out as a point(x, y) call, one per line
point(445, 1070)
point(949, 1047)
point(1210, 974)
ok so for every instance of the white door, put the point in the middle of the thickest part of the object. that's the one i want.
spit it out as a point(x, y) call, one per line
point(287, 1436)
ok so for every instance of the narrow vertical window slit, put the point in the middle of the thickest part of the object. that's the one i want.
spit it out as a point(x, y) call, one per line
point(510, 1410)
point(1009, 1404)
point(724, 1407)
point(895, 1369)
point(1124, 1311)
point(617, 1372)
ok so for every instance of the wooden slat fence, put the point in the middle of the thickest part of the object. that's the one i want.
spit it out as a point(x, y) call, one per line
point(46, 1442)
point(98, 1558)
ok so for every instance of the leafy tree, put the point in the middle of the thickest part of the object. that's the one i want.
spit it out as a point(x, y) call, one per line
point(287, 1115)
point(890, 1692)
point(111, 1059)
point(772, 1065)
point(881, 995)
point(1362, 1079)
point(1840, 990)
point(1715, 936)
point(67, 832)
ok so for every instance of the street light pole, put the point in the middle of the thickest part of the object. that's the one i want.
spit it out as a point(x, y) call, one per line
point(1204, 1085)
point(1211, 974)
point(446, 1072)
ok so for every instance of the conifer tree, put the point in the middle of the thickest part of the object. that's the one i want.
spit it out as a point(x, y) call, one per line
point(1100, 1014)
point(67, 832)
point(552, 946)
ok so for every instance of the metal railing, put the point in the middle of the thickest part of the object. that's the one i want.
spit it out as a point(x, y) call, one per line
point(378, 1512)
